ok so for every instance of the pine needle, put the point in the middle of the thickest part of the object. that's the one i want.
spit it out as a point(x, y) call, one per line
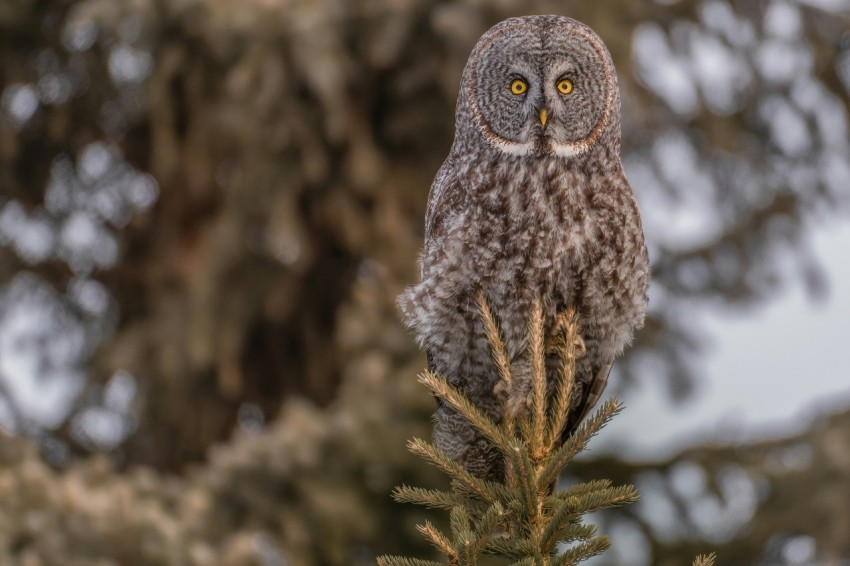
point(497, 346)
point(432, 454)
point(525, 477)
point(538, 381)
point(457, 401)
point(431, 498)
point(705, 560)
point(438, 539)
point(402, 561)
point(459, 520)
point(554, 531)
point(582, 551)
point(579, 439)
point(584, 488)
point(566, 379)
point(489, 522)
point(512, 548)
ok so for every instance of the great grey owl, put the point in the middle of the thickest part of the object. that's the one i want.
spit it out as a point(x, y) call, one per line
point(531, 205)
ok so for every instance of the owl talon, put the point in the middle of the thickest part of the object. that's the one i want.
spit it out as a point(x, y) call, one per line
point(518, 404)
point(581, 349)
point(561, 322)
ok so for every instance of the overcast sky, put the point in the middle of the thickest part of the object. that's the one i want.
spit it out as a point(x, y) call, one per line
point(768, 371)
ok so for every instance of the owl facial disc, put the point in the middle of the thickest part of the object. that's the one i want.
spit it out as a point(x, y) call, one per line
point(540, 86)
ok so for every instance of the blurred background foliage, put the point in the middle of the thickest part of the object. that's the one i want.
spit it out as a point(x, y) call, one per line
point(207, 208)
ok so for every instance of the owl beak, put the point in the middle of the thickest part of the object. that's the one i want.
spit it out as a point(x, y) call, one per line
point(544, 116)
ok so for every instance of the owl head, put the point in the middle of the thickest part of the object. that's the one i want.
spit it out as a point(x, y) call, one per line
point(540, 85)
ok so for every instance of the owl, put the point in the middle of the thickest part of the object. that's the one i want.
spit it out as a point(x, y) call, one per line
point(531, 206)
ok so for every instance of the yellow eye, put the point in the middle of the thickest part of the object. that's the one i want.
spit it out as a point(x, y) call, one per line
point(565, 86)
point(519, 86)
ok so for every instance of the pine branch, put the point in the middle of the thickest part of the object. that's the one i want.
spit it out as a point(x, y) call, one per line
point(558, 525)
point(438, 539)
point(431, 498)
point(511, 548)
point(518, 518)
point(477, 486)
point(566, 377)
point(523, 472)
point(582, 551)
point(584, 488)
point(487, 526)
point(705, 560)
point(457, 401)
point(538, 382)
point(461, 525)
point(402, 561)
point(601, 498)
point(497, 346)
point(579, 439)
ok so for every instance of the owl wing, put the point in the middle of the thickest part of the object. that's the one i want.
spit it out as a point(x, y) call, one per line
point(445, 199)
point(590, 396)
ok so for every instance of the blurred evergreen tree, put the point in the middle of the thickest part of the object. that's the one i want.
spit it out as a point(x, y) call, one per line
point(207, 207)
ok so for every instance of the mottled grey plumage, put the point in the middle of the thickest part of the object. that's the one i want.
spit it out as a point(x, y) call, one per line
point(528, 207)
